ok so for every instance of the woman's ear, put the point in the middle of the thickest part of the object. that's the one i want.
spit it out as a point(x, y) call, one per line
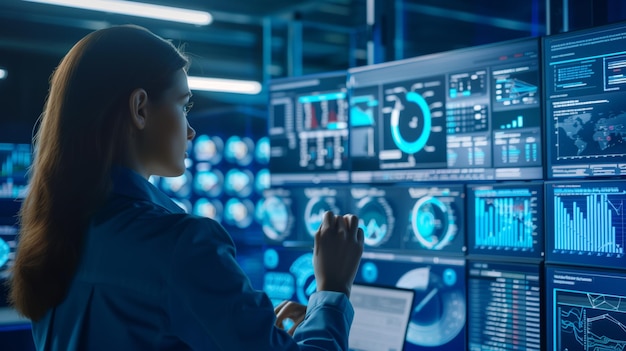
point(138, 113)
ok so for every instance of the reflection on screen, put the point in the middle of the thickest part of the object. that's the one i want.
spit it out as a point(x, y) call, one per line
point(470, 114)
point(308, 129)
point(585, 90)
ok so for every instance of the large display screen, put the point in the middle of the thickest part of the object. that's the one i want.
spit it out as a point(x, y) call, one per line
point(586, 309)
point(504, 307)
point(506, 219)
point(586, 219)
point(308, 129)
point(15, 159)
point(439, 310)
point(585, 99)
point(425, 219)
point(471, 114)
point(290, 216)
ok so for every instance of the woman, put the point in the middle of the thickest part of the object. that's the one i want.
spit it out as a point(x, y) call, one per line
point(107, 262)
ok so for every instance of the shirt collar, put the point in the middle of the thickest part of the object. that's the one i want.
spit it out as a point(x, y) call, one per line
point(128, 183)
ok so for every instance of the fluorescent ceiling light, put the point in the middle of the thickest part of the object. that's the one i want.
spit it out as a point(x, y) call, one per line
point(224, 85)
point(131, 8)
point(3, 73)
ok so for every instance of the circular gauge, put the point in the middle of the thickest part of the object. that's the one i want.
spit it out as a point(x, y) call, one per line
point(262, 180)
point(302, 269)
point(239, 150)
point(369, 272)
point(208, 208)
point(276, 219)
point(314, 212)
point(239, 213)
point(179, 187)
point(262, 151)
point(439, 312)
point(209, 183)
point(411, 123)
point(209, 149)
point(376, 220)
point(432, 223)
point(239, 183)
point(270, 259)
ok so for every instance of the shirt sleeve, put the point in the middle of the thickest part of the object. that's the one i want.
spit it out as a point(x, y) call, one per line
point(213, 305)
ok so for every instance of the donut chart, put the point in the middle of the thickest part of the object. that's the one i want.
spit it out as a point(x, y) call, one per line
point(398, 130)
point(432, 223)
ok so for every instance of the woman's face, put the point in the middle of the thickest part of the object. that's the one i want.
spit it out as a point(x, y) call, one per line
point(169, 130)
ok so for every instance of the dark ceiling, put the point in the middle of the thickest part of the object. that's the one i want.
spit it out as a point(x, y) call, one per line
point(259, 40)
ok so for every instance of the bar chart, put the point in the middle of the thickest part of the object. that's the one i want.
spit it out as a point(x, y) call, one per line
point(589, 220)
point(505, 218)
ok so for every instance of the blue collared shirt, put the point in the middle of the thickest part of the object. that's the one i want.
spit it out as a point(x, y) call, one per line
point(155, 278)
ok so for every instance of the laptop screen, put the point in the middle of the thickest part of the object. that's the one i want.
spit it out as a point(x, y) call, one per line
point(381, 317)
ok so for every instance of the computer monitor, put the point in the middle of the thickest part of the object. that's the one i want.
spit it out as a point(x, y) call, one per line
point(504, 306)
point(585, 309)
point(470, 114)
point(585, 100)
point(308, 129)
point(381, 317)
point(586, 220)
point(424, 219)
point(438, 315)
point(506, 219)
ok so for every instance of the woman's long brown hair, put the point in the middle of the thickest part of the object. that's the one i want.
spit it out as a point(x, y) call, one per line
point(84, 131)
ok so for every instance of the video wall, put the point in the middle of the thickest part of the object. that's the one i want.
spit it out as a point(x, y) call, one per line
point(488, 179)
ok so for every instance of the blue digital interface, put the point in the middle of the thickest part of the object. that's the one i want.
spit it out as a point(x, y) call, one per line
point(262, 151)
point(586, 309)
point(177, 187)
point(438, 314)
point(504, 306)
point(587, 222)
point(308, 129)
point(275, 213)
point(585, 94)
point(239, 213)
point(239, 182)
point(471, 114)
point(210, 208)
point(313, 203)
point(208, 182)
point(15, 159)
point(506, 219)
point(401, 218)
point(239, 150)
point(8, 244)
point(289, 274)
point(208, 149)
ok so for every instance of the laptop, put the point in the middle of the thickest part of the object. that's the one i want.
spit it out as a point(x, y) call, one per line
point(381, 317)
